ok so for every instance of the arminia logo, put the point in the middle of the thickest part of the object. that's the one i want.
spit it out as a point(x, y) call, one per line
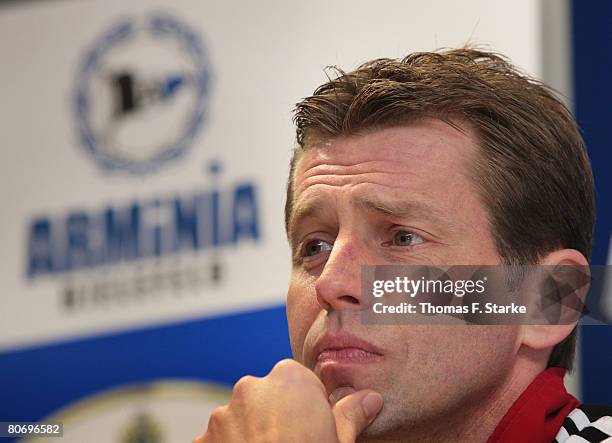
point(141, 93)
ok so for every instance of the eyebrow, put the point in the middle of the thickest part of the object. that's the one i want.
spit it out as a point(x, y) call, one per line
point(309, 208)
point(402, 208)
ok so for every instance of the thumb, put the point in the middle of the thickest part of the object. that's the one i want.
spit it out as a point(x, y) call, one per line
point(355, 412)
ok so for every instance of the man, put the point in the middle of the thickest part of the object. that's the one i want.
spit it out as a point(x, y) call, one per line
point(448, 158)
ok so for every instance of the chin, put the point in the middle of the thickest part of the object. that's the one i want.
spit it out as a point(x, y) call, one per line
point(380, 428)
point(396, 421)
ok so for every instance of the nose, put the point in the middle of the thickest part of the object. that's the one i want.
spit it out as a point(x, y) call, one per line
point(339, 284)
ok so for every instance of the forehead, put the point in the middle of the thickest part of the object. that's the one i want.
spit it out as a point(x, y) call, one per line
point(427, 156)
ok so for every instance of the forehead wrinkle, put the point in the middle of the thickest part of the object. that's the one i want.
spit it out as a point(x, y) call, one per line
point(335, 174)
point(316, 204)
point(366, 178)
point(339, 175)
point(323, 167)
point(311, 205)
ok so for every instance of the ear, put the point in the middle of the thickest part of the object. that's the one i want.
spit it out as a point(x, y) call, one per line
point(568, 271)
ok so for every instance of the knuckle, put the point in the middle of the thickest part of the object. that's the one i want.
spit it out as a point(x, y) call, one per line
point(208, 437)
point(287, 366)
point(243, 384)
point(290, 371)
point(216, 419)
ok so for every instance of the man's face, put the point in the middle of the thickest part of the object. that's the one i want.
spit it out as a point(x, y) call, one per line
point(398, 195)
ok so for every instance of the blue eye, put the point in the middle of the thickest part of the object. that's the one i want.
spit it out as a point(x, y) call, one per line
point(406, 238)
point(315, 247)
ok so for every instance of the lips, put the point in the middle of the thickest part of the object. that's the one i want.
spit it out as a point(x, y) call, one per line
point(345, 348)
point(356, 355)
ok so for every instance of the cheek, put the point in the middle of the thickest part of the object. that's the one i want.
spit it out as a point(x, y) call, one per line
point(471, 354)
point(483, 352)
point(302, 310)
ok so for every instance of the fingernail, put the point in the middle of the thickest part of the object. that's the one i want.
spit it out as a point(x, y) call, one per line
point(371, 404)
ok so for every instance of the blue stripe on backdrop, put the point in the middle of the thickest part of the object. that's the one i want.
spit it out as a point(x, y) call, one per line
point(36, 382)
point(592, 58)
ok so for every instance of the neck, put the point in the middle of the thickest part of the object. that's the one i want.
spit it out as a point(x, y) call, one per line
point(476, 420)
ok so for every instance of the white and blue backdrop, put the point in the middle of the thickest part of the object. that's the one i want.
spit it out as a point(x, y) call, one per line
point(143, 160)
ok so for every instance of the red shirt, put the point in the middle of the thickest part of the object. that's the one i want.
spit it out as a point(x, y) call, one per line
point(537, 415)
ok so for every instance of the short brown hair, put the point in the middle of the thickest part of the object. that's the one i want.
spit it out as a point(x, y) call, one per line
point(532, 171)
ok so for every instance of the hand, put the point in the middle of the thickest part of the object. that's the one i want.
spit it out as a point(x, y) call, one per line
point(290, 405)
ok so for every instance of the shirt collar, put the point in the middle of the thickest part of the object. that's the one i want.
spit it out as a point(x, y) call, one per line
point(538, 413)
